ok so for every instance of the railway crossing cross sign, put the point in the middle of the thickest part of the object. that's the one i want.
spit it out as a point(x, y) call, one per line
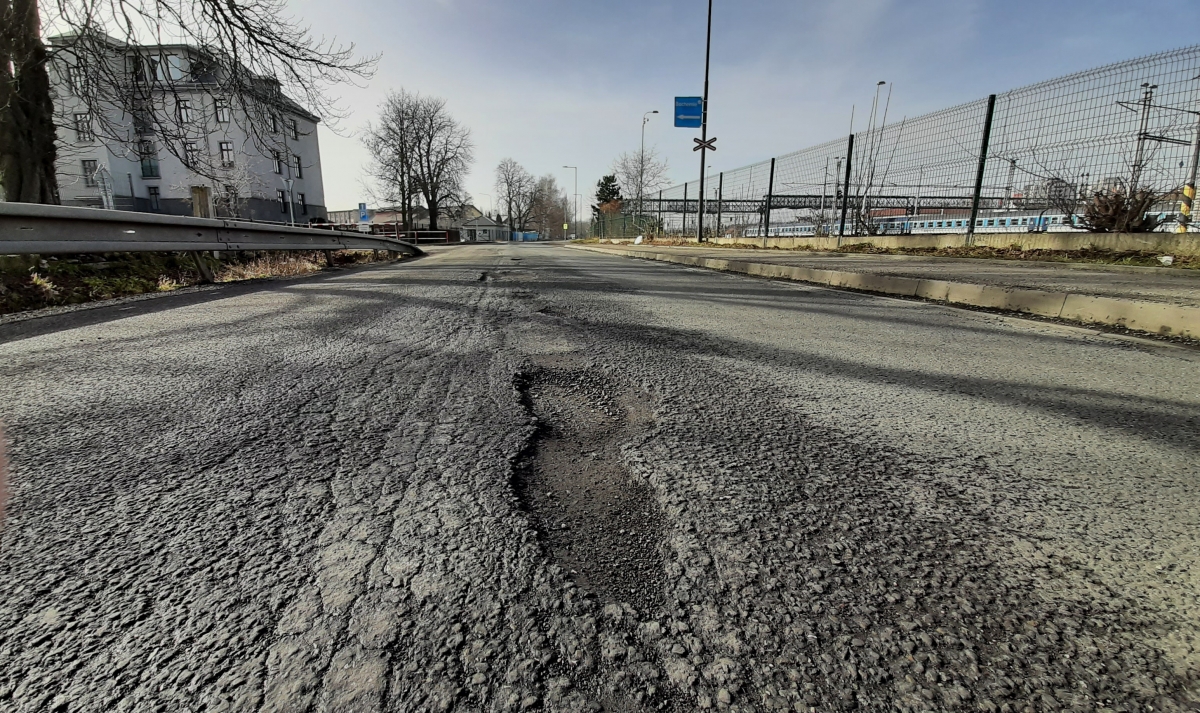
point(705, 145)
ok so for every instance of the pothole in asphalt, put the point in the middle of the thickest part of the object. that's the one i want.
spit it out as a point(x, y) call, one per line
point(601, 526)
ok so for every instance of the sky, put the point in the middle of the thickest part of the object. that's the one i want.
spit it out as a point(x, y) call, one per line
point(565, 83)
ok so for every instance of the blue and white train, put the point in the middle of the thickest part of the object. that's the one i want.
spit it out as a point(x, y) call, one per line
point(1008, 222)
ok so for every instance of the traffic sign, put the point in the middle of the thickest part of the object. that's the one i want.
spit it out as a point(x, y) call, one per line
point(363, 217)
point(707, 145)
point(689, 112)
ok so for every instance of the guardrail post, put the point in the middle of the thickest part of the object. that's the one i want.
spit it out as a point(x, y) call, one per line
point(329, 257)
point(206, 273)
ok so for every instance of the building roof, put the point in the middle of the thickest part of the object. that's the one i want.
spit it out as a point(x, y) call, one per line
point(282, 100)
point(482, 222)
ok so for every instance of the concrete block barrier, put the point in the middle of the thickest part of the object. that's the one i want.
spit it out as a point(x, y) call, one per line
point(1141, 315)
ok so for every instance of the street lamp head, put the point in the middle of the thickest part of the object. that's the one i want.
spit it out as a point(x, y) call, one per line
point(880, 83)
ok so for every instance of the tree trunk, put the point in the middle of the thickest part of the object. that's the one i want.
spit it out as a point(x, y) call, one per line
point(433, 214)
point(27, 150)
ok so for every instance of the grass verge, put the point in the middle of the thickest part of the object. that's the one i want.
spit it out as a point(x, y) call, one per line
point(30, 282)
point(1136, 258)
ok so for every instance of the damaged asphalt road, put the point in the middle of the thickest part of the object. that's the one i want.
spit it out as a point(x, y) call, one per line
point(528, 478)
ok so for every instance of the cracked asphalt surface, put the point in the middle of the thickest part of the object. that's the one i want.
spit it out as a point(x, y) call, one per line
point(394, 489)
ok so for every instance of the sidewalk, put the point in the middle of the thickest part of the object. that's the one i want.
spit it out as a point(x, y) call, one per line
point(1158, 300)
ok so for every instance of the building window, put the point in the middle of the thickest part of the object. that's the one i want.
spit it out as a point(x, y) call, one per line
point(191, 154)
point(227, 154)
point(274, 125)
point(83, 128)
point(149, 158)
point(133, 66)
point(293, 128)
point(299, 168)
point(89, 173)
point(154, 202)
point(277, 161)
point(75, 78)
point(303, 203)
point(143, 118)
point(185, 111)
point(222, 106)
point(282, 200)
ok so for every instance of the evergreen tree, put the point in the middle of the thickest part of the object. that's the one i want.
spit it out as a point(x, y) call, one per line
point(608, 197)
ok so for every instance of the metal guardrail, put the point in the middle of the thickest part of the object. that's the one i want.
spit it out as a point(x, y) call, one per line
point(27, 228)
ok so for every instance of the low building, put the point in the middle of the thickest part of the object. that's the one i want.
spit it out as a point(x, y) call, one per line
point(482, 229)
point(392, 215)
point(165, 140)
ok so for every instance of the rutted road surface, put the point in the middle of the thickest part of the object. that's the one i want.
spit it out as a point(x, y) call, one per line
point(511, 478)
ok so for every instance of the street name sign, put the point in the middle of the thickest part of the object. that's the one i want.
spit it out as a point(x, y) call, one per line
point(689, 112)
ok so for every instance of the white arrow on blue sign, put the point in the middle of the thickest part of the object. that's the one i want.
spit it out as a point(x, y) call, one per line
point(689, 112)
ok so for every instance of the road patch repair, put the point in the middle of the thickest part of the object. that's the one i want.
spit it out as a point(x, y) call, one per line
point(1161, 318)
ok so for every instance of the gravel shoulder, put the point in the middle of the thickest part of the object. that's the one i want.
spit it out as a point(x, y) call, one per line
point(348, 494)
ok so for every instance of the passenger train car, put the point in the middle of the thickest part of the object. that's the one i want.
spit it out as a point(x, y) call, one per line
point(1007, 222)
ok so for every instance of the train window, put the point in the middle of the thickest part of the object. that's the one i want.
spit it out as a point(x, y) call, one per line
point(1024, 221)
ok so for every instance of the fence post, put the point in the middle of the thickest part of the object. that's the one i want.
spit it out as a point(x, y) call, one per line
point(1189, 188)
point(846, 190)
point(720, 200)
point(662, 227)
point(683, 228)
point(983, 149)
point(767, 207)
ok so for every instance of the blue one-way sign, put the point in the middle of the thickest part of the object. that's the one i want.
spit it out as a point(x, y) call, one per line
point(689, 112)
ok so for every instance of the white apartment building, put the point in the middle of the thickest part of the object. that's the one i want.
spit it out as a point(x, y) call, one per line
point(179, 147)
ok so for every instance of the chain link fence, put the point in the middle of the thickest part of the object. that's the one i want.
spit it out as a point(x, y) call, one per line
point(1108, 149)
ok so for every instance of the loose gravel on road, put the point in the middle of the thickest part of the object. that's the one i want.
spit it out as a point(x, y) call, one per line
point(523, 478)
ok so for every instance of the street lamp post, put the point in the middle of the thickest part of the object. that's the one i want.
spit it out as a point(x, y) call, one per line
point(642, 161)
point(291, 202)
point(575, 209)
point(491, 203)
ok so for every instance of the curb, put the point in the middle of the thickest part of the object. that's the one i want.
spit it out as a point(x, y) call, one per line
point(1154, 317)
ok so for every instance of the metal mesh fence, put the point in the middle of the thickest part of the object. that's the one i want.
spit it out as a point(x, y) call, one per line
point(1055, 149)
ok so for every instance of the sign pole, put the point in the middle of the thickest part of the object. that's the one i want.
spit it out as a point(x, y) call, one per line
point(704, 127)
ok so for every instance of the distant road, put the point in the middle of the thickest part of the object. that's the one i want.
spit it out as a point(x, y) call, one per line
point(522, 477)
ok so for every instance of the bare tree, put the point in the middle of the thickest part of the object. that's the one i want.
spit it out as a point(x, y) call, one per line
point(419, 151)
point(639, 173)
point(393, 145)
point(550, 207)
point(515, 188)
point(248, 53)
point(441, 159)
